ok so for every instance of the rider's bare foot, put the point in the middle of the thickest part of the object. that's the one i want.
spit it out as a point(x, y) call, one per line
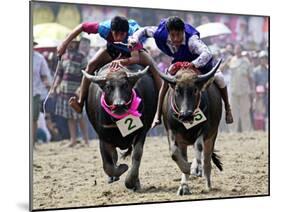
point(228, 116)
point(73, 102)
point(156, 121)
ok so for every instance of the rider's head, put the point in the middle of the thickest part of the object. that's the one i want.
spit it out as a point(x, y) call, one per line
point(119, 28)
point(175, 27)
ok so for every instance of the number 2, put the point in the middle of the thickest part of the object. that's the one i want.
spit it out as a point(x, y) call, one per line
point(130, 126)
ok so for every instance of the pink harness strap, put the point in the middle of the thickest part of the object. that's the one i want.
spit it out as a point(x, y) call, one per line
point(133, 110)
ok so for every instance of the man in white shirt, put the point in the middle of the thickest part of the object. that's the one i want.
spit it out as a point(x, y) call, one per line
point(40, 73)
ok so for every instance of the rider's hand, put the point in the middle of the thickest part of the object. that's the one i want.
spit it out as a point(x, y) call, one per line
point(61, 49)
point(156, 121)
point(179, 65)
point(115, 65)
point(132, 41)
point(191, 65)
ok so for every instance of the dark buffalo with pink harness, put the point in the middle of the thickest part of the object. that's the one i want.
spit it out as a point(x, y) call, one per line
point(111, 95)
point(189, 91)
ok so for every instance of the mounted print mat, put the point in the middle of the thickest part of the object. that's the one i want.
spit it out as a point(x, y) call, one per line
point(138, 105)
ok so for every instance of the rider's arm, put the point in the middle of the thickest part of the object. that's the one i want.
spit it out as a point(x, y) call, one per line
point(61, 48)
point(135, 56)
point(197, 46)
point(147, 32)
point(89, 27)
point(134, 59)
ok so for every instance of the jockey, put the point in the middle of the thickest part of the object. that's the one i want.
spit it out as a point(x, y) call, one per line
point(116, 30)
point(182, 42)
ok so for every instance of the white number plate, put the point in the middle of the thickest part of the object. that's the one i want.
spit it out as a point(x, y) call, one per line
point(199, 117)
point(129, 124)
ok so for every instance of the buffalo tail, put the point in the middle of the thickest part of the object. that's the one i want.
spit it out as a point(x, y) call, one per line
point(216, 160)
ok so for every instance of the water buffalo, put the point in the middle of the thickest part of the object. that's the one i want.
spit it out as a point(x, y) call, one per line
point(189, 91)
point(111, 95)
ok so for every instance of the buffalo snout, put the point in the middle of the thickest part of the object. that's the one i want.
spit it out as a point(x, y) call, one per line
point(119, 103)
point(119, 107)
point(186, 116)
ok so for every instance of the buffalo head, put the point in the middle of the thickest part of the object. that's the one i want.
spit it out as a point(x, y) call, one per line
point(187, 87)
point(117, 87)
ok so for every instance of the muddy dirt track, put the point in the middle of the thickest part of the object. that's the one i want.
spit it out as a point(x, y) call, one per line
point(73, 177)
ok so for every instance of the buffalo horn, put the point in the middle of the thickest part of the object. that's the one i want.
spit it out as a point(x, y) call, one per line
point(94, 79)
point(138, 74)
point(207, 76)
point(167, 78)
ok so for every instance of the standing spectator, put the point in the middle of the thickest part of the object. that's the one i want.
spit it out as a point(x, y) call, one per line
point(240, 90)
point(261, 71)
point(40, 83)
point(255, 60)
point(226, 55)
point(259, 108)
point(66, 85)
point(261, 78)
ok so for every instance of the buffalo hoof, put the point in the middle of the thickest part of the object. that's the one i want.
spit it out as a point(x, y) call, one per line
point(133, 185)
point(112, 179)
point(183, 190)
point(115, 171)
point(121, 169)
point(206, 190)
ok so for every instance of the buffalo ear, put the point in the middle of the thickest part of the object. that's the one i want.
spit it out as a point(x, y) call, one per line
point(133, 80)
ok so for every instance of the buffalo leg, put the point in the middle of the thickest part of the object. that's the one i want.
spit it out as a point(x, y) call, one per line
point(109, 161)
point(176, 154)
point(132, 179)
point(115, 159)
point(196, 167)
point(206, 161)
point(184, 189)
